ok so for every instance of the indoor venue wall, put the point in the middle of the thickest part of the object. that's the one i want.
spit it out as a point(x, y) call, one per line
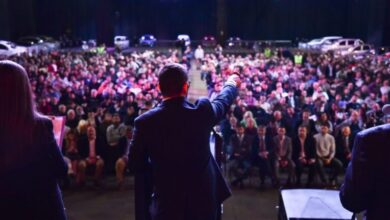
point(259, 19)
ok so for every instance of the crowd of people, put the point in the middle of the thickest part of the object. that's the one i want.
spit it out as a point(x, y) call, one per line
point(288, 115)
point(100, 95)
point(296, 113)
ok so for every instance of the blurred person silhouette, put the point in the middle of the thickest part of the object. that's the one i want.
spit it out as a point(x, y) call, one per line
point(30, 160)
point(367, 179)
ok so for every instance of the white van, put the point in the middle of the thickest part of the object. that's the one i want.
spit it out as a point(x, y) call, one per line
point(121, 42)
point(341, 45)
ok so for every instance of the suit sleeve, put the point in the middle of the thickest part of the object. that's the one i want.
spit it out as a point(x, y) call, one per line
point(333, 148)
point(312, 148)
point(289, 147)
point(295, 150)
point(355, 191)
point(220, 105)
point(139, 163)
point(56, 161)
point(255, 147)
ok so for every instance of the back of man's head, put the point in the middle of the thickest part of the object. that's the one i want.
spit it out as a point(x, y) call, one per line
point(172, 78)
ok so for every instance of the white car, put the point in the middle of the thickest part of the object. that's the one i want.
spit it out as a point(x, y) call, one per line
point(50, 42)
point(121, 42)
point(360, 50)
point(185, 38)
point(33, 44)
point(8, 48)
point(317, 43)
point(341, 45)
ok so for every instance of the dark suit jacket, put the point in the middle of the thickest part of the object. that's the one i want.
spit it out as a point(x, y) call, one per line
point(340, 147)
point(311, 128)
point(269, 146)
point(287, 144)
point(83, 146)
point(30, 189)
point(170, 146)
point(309, 146)
point(367, 180)
point(243, 148)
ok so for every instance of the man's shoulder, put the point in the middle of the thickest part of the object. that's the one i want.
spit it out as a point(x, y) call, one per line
point(329, 136)
point(374, 131)
point(202, 101)
point(147, 116)
point(316, 135)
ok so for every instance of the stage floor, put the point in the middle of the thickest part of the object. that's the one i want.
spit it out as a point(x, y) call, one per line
point(110, 203)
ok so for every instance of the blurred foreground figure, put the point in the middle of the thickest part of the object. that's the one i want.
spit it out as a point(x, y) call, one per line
point(367, 181)
point(30, 160)
point(176, 177)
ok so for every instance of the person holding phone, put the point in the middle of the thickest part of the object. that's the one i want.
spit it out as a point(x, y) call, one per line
point(30, 160)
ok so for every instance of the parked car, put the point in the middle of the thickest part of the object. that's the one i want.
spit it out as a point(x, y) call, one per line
point(67, 41)
point(360, 50)
point(233, 42)
point(317, 43)
point(209, 41)
point(121, 42)
point(8, 48)
point(33, 44)
point(50, 42)
point(183, 38)
point(88, 44)
point(147, 40)
point(341, 45)
point(383, 50)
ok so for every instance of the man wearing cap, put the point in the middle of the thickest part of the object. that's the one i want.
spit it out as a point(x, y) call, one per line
point(367, 180)
point(176, 177)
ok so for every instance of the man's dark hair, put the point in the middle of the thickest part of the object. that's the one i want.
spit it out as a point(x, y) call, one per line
point(325, 125)
point(302, 126)
point(171, 79)
point(239, 125)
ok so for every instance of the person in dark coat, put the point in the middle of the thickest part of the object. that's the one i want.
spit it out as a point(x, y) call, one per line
point(90, 149)
point(344, 144)
point(367, 179)
point(283, 156)
point(31, 162)
point(241, 143)
point(263, 155)
point(176, 177)
point(304, 155)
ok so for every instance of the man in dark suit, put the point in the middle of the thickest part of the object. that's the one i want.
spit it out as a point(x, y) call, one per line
point(307, 122)
point(304, 155)
point(262, 154)
point(176, 177)
point(367, 180)
point(283, 155)
point(344, 143)
point(241, 144)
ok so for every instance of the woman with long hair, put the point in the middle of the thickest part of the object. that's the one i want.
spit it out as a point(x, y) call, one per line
point(30, 160)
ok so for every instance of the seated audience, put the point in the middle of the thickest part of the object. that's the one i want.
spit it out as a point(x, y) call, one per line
point(115, 133)
point(262, 154)
point(325, 151)
point(89, 148)
point(283, 155)
point(241, 146)
point(304, 155)
point(121, 163)
point(344, 144)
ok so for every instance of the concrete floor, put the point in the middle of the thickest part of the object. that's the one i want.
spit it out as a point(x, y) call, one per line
point(110, 203)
